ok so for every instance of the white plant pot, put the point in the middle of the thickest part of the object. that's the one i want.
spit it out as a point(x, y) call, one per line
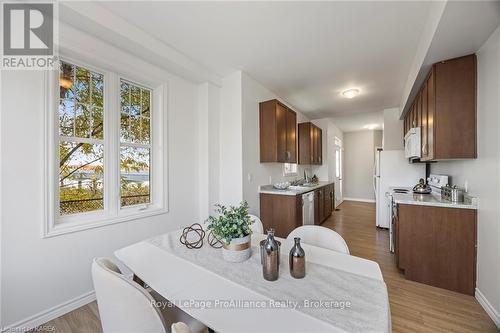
point(238, 250)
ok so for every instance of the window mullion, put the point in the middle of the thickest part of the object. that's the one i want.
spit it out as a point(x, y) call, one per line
point(111, 140)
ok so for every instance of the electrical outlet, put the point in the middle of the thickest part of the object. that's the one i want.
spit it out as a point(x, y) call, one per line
point(250, 177)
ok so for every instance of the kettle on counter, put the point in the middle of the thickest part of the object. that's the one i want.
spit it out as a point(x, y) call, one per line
point(422, 187)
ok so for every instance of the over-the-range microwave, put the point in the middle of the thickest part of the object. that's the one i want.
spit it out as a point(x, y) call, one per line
point(412, 143)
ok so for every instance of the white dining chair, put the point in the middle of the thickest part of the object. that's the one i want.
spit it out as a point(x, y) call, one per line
point(257, 227)
point(320, 236)
point(180, 327)
point(125, 306)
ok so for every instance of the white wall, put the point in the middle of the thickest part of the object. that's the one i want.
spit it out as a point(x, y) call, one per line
point(231, 136)
point(326, 171)
point(483, 173)
point(393, 130)
point(254, 172)
point(208, 147)
point(359, 157)
point(39, 274)
point(241, 171)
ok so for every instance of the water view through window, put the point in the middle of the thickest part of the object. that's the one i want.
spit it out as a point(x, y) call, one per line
point(81, 145)
point(135, 144)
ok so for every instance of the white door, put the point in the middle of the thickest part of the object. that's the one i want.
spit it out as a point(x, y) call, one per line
point(338, 172)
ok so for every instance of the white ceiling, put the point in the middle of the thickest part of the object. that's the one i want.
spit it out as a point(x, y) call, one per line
point(306, 52)
point(461, 29)
point(360, 121)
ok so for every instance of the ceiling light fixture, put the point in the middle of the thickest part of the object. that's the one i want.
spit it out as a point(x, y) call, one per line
point(350, 93)
point(370, 126)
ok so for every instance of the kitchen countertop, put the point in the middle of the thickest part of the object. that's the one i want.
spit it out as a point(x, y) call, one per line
point(269, 189)
point(434, 200)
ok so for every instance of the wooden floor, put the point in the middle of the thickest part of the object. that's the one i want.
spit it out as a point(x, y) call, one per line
point(415, 307)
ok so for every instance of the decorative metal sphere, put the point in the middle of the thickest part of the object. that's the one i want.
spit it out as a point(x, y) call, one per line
point(192, 236)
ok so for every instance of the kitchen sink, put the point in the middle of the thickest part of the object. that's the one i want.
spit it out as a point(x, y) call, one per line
point(303, 186)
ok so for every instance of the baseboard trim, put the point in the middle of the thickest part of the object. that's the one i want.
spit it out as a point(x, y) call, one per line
point(50, 314)
point(359, 200)
point(490, 310)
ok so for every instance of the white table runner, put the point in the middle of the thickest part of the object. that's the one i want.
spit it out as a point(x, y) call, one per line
point(346, 301)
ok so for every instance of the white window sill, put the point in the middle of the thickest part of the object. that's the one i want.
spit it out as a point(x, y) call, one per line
point(63, 228)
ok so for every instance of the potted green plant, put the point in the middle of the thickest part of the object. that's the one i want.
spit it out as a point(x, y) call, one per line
point(232, 227)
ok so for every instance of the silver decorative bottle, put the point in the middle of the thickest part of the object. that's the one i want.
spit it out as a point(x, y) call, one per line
point(270, 253)
point(297, 260)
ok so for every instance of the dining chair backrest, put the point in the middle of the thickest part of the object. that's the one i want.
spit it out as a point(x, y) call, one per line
point(256, 226)
point(180, 327)
point(124, 306)
point(320, 236)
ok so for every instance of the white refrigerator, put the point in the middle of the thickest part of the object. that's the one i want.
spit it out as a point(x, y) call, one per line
point(392, 169)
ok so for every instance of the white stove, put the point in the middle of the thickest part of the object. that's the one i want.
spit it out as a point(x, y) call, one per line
point(392, 209)
point(436, 182)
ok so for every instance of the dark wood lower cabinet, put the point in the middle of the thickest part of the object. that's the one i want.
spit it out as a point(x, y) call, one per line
point(437, 246)
point(284, 212)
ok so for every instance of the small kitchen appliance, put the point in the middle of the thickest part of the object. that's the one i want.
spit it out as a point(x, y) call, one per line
point(412, 143)
point(422, 187)
point(452, 193)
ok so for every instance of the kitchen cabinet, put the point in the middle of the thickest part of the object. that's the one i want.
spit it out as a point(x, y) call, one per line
point(278, 132)
point(445, 110)
point(319, 206)
point(324, 203)
point(424, 125)
point(329, 198)
point(437, 246)
point(310, 144)
point(418, 110)
point(284, 212)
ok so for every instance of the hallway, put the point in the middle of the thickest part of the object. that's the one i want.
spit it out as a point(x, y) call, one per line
point(415, 307)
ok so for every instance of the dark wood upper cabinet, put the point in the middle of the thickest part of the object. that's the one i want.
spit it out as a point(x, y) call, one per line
point(310, 144)
point(445, 110)
point(455, 108)
point(424, 126)
point(278, 132)
point(291, 137)
point(418, 111)
point(431, 98)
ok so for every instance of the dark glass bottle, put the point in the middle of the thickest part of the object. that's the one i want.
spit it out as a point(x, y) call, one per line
point(270, 253)
point(297, 260)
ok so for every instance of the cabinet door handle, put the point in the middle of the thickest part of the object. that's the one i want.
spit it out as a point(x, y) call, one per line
point(424, 149)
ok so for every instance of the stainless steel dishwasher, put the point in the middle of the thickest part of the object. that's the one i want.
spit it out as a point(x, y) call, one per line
point(308, 208)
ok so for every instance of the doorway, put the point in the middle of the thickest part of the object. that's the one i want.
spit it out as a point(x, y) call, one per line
point(338, 172)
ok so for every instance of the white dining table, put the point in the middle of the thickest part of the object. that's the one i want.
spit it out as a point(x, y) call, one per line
point(189, 285)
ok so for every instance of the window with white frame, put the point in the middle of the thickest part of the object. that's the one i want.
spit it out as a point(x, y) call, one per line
point(289, 169)
point(81, 140)
point(135, 143)
point(102, 149)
